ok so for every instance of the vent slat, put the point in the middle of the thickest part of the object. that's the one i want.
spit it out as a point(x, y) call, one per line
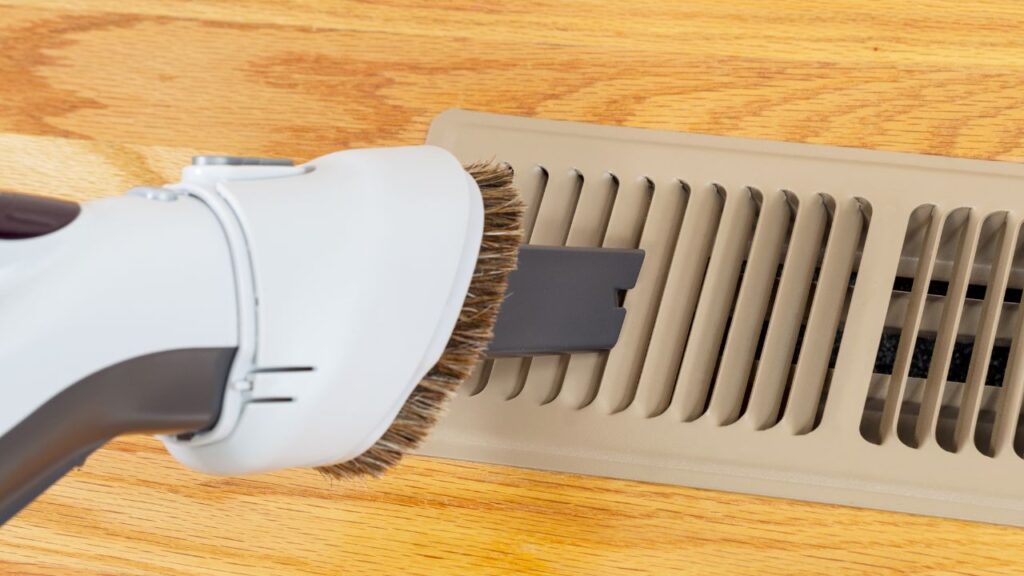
point(557, 207)
point(478, 379)
point(991, 311)
point(625, 361)
point(682, 288)
point(581, 379)
point(531, 180)
point(593, 211)
point(927, 419)
point(823, 320)
point(554, 214)
point(506, 377)
point(911, 325)
point(856, 393)
point(587, 229)
point(543, 380)
point(630, 208)
point(787, 314)
point(1008, 409)
point(700, 357)
point(751, 308)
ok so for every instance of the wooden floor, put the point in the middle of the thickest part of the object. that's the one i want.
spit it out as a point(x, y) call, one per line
point(99, 95)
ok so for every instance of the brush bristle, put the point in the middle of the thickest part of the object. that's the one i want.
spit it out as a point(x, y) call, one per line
point(503, 232)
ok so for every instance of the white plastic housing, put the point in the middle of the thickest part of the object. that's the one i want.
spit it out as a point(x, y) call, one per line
point(128, 277)
point(361, 261)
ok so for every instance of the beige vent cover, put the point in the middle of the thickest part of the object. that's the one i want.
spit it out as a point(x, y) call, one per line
point(810, 322)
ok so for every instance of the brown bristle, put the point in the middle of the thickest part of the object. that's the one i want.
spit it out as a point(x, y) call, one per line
point(503, 232)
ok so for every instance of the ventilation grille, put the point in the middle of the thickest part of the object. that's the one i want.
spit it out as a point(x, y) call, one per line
point(778, 341)
point(944, 369)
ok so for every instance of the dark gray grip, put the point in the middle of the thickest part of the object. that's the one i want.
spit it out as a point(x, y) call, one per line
point(24, 216)
point(166, 392)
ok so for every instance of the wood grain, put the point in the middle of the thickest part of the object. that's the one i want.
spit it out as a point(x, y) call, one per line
point(100, 95)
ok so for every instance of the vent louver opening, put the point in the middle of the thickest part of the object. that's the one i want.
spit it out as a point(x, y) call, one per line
point(809, 322)
point(947, 358)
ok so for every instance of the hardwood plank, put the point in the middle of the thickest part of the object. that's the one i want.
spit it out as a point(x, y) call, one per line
point(944, 80)
point(132, 510)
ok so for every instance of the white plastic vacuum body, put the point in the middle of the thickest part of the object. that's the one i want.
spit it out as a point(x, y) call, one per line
point(260, 315)
point(359, 263)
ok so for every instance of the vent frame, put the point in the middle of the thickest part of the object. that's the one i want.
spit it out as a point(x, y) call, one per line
point(572, 427)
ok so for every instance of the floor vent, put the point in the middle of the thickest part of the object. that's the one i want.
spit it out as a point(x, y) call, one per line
point(810, 322)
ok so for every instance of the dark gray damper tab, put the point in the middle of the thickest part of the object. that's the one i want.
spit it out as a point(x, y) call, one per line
point(563, 299)
point(165, 392)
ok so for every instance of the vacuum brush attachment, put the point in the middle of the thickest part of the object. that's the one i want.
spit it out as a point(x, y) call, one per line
point(260, 315)
point(474, 330)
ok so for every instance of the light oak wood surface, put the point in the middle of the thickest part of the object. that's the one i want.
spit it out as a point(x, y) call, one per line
point(100, 95)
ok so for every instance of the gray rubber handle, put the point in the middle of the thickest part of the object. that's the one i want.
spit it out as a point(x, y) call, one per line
point(166, 392)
